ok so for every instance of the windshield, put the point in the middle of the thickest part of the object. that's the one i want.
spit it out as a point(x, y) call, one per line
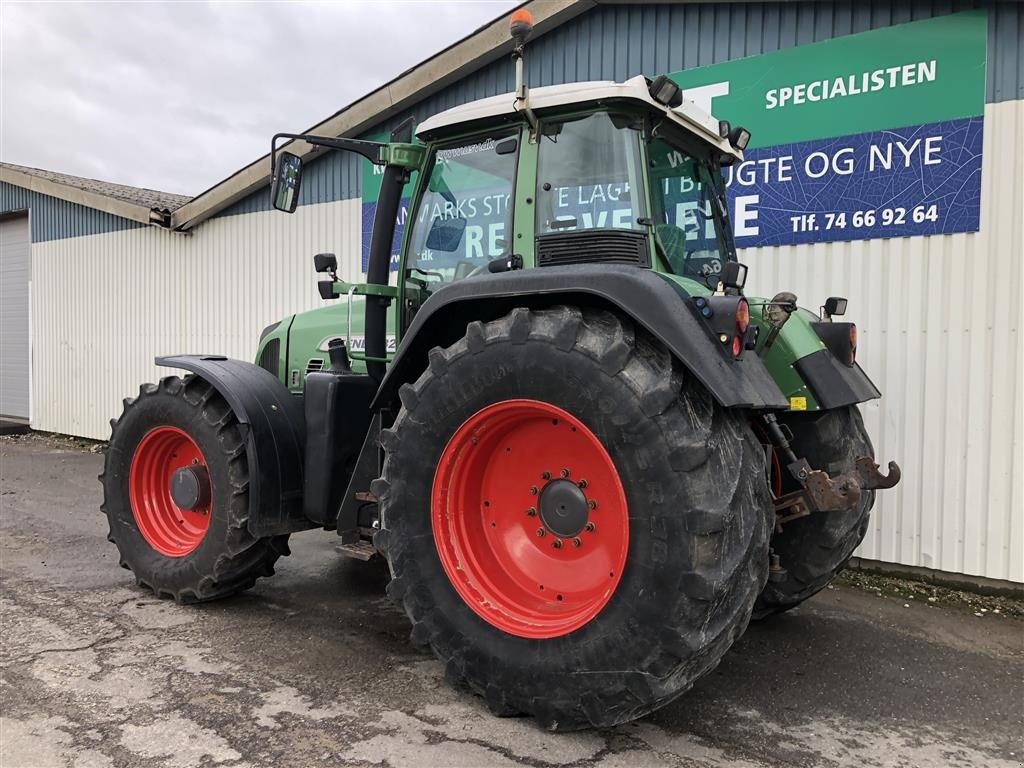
point(689, 213)
point(464, 216)
point(587, 170)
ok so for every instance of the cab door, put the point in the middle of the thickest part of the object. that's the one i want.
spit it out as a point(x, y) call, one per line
point(462, 217)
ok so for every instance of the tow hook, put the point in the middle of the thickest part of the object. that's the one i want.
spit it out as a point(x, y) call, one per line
point(819, 492)
point(871, 478)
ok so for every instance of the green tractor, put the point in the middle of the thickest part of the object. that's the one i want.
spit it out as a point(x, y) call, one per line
point(587, 457)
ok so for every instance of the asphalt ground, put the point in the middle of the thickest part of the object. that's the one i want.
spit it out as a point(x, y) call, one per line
point(313, 667)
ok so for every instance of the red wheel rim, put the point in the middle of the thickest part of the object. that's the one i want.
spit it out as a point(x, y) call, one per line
point(168, 528)
point(505, 506)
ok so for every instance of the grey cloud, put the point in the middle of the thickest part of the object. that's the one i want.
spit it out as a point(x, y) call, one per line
point(176, 96)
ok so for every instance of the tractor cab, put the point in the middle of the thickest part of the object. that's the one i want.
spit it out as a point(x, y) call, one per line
point(601, 173)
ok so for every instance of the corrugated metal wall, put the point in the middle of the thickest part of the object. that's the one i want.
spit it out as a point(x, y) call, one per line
point(939, 332)
point(104, 306)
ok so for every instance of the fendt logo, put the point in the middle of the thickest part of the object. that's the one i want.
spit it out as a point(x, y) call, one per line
point(355, 343)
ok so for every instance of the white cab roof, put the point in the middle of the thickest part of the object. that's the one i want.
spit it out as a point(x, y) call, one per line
point(687, 115)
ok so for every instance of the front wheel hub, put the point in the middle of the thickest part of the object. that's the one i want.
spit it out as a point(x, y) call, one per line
point(190, 487)
point(170, 492)
point(515, 536)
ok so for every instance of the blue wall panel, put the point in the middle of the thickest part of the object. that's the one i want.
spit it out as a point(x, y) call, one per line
point(52, 218)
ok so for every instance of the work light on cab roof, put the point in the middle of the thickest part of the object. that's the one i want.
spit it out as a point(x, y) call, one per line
point(576, 439)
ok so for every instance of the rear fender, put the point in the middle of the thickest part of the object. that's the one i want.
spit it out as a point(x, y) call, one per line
point(274, 429)
point(649, 299)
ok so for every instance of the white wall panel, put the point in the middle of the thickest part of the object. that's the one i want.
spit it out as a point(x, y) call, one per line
point(939, 326)
point(105, 305)
point(939, 319)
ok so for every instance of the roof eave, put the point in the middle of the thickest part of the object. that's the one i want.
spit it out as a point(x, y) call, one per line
point(469, 54)
point(122, 208)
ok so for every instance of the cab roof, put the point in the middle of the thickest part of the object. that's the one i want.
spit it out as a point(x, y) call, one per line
point(687, 115)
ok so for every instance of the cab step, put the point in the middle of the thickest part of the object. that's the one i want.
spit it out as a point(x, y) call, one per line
point(358, 550)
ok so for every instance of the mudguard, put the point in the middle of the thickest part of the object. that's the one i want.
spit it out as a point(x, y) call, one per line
point(274, 428)
point(833, 384)
point(651, 300)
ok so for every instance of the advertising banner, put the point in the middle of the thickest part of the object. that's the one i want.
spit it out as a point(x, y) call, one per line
point(872, 135)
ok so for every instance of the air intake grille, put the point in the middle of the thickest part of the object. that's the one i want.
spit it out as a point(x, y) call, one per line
point(314, 364)
point(270, 355)
point(603, 246)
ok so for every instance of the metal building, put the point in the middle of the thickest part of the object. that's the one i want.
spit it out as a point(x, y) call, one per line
point(114, 275)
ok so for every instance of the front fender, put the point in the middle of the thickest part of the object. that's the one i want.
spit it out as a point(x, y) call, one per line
point(652, 301)
point(274, 428)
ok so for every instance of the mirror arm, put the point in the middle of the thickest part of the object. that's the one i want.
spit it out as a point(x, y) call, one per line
point(368, 149)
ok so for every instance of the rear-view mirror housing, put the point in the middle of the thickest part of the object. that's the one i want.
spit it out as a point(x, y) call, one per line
point(284, 187)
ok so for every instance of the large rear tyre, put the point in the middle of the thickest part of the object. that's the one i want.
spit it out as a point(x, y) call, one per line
point(573, 526)
point(814, 549)
point(191, 544)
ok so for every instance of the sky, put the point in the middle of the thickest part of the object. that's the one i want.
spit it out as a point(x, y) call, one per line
point(177, 96)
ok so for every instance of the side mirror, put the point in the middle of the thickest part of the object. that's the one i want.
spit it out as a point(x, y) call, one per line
point(284, 188)
point(446, 234)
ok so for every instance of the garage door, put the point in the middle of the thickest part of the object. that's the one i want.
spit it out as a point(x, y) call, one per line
point(15, 363)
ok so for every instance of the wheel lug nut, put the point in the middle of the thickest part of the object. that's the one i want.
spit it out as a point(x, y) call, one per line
point(557, 543)
point(533, 490)
point(545, 475)
point(592, 504)
point(565, 472)
point(576, 542)
point(582, 483)
point(540, 533)
point(591, 527)
point(532, 512)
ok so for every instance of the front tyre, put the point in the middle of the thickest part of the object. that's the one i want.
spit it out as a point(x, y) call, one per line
point(572, 524)
point(175, 493)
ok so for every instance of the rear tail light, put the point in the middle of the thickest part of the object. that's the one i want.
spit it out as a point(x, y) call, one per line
point(742, 316)
point(737, 346)
point(840, 339)
point(742, 323)
point(728, 318)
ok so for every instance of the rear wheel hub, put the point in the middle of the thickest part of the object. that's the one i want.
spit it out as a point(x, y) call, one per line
point(529, 518)
point(563, 508)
